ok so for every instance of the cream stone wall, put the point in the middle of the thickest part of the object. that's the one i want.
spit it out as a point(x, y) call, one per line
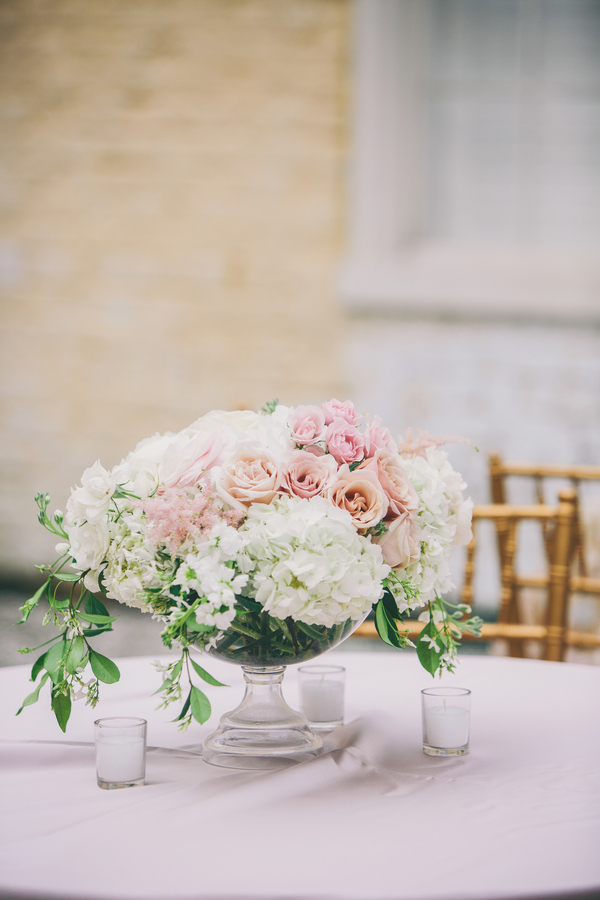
point(170, 226)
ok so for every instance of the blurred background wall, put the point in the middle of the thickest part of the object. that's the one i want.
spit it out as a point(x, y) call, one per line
point(211, 203)
point(172, 214)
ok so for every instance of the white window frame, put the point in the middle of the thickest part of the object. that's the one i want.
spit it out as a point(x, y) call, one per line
point(391, 267)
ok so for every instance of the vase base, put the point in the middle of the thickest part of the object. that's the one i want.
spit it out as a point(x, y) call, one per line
point(260, 748)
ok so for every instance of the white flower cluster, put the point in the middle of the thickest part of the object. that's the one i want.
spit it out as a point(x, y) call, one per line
point(209, 573)
point(307, 561)
point(444, 518)
point(133, 567)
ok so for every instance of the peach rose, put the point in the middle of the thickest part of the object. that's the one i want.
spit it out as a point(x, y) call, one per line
point(333, 410)
point(345, 442)
point(401, 544)
point(307, 475)
point(400, 493)
point(251, 477)
point(360, 493)
point(307, 424)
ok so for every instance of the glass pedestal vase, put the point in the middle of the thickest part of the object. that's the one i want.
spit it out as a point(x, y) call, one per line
point(263, 732)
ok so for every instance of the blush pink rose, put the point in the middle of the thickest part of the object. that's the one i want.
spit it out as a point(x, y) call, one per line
point(401, 544)
point(359, 493)
point(378, 438)
point(189, 457)
point(345, 442)
point(251, 477)
point(333, 409)
point(307, 475)
point(307, 424)
point(400, 493)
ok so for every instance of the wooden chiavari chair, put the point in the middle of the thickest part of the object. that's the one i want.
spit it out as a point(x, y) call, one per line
point(559, 525)
point(580, 581)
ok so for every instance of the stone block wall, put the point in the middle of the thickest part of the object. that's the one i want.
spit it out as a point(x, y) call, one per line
point(171, 194)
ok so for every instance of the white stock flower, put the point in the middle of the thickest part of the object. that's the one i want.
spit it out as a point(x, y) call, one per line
point(207, 572)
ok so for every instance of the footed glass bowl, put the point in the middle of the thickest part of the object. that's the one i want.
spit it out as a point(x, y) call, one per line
point(263, 731)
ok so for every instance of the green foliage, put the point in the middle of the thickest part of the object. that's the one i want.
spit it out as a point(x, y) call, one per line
point(34, 696)
point(270, 407)
point(61, 705)
point(200, 705)
point(103, 668)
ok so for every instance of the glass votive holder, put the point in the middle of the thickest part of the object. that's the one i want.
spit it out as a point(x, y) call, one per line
point(120, 752)
point(446, 721)
point(322, 695)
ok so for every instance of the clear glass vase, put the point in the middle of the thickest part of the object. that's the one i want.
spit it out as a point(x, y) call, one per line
point(264, 732)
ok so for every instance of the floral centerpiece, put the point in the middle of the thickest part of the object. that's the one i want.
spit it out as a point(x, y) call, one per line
point(264, 538)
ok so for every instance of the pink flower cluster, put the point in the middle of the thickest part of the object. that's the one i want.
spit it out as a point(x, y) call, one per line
point(178, 514)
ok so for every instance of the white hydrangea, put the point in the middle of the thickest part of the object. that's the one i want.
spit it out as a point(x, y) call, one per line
point(306, 560)
point(445, 521)
point(132, 564)
point(207, 572)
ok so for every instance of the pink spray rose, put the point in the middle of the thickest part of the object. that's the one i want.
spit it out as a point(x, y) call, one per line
point(307, 424)
point(345, 442)
point(333, 409)
point(400, 493)
point(378, 438)
point(307, 475)
point(401, 544)
point(360, 493)
point(251, 477)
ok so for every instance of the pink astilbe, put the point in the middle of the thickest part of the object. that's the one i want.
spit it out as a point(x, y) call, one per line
point(178, 514)
point(411, 446)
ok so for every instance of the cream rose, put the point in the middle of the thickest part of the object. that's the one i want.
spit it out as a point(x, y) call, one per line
point(392, 476)
point(307, 475)
point(361, 494)
point(251, 477)
point(401, 544)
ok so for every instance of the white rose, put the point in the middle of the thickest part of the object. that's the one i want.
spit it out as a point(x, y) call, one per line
point(90, 502)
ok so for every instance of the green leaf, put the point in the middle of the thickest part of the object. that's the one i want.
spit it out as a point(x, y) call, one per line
point(386, 627)
point(93, 606)
point(37, 666)
point(200, 705)
point(76, 656)
point(61, 706)
point(205, 676)
point(390, 604)
point(30, 604)
point(35, 695)
point(429, 657)
point(186, 706)
point(68, 576)
point(103, 668)
point(94, 632)
point(192, 625)
point(311, 632)
point(52, 662)
point(97, 620)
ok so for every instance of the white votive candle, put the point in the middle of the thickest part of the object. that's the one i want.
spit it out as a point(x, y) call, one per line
point(323, 701)
point(120, 751)
point(447, 726)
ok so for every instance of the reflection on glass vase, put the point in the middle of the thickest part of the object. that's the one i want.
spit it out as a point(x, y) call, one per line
point(263, 731)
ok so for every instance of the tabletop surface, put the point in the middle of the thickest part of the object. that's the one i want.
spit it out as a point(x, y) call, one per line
point(371, 818)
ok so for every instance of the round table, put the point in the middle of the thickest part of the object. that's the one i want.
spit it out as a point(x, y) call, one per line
point(371, 818)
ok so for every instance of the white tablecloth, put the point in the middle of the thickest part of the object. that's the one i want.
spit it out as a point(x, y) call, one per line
point(372, 818)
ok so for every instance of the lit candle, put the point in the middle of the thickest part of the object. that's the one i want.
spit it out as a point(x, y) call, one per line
point(323, 700)
point(446, 726)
